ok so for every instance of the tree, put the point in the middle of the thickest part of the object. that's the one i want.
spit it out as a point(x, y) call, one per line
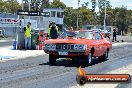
point(9, 6)
point(129, 17)
point(2, 6)
point(85, 4)
point(119, 17)
point(57, 4)
point(45, 4)
point(109, 12)
point(12, 6)
point(70, 17)
point(25, 5)
point(87, 16)
point(110, 17)
point(94, 3)
point(121, 21)
point(39, 5)
point(101, 4)
point(36, 5)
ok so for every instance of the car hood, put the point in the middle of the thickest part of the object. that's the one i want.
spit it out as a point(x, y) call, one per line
point(68, 41)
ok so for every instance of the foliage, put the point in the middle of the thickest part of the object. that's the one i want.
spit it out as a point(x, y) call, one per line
point(9, 6)
point(85, 4)
point(86, 16)
point(2, 6)
point(36, 5)
point(70, 16)
point(121, 20)
point(119, 17)
point(39, 4)
point(101, 4)
point(57, 4)
point(94, 3)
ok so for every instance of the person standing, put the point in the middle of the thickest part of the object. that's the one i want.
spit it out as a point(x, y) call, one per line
point(53, 31)
point(50, 25)
point(27, 31)
point(114, 34)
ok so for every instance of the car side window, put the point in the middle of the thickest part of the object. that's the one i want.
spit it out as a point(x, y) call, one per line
point(98, 36)
point(90, 36)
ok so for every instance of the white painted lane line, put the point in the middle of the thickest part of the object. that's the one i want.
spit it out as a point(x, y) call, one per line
point(119, 44)
point(6, 40)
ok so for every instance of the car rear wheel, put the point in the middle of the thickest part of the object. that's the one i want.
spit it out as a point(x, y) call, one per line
point(52, 59)
point(104, 57)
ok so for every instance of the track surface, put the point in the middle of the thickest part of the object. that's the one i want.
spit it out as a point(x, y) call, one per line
point(35, 72)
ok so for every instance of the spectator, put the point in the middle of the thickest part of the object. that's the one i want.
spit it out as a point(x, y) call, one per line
point(27, 31)
point(114, 34)
point(50, 23)
point(53, 31)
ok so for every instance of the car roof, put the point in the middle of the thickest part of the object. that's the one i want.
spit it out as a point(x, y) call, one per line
point(93, 30)
point(81, 30)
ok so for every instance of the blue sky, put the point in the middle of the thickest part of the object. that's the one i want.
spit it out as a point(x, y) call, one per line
point(114, 3)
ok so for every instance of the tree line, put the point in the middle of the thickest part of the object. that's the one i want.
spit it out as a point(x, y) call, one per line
point(119, 17)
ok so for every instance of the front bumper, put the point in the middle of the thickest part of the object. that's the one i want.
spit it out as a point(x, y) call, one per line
point(69, 53)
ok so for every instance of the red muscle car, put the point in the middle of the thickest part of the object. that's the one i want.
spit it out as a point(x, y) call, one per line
point(81, 46)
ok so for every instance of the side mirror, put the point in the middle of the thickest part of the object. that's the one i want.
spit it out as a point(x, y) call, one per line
point(102, 33)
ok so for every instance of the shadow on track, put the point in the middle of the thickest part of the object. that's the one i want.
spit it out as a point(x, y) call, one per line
point(70, 63)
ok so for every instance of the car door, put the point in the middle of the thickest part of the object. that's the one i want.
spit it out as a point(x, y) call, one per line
point(103, 44)
point(99, 44)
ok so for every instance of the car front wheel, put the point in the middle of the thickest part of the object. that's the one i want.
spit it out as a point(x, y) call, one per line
point(52, 59)
point(88, 59)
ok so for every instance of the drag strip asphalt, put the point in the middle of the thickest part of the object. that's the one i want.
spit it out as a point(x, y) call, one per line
point(68, 79)
point(37, 73)
point(6, 43)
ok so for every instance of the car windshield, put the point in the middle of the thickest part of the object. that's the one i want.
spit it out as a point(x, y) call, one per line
point(84, 34)
point(78, 34)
